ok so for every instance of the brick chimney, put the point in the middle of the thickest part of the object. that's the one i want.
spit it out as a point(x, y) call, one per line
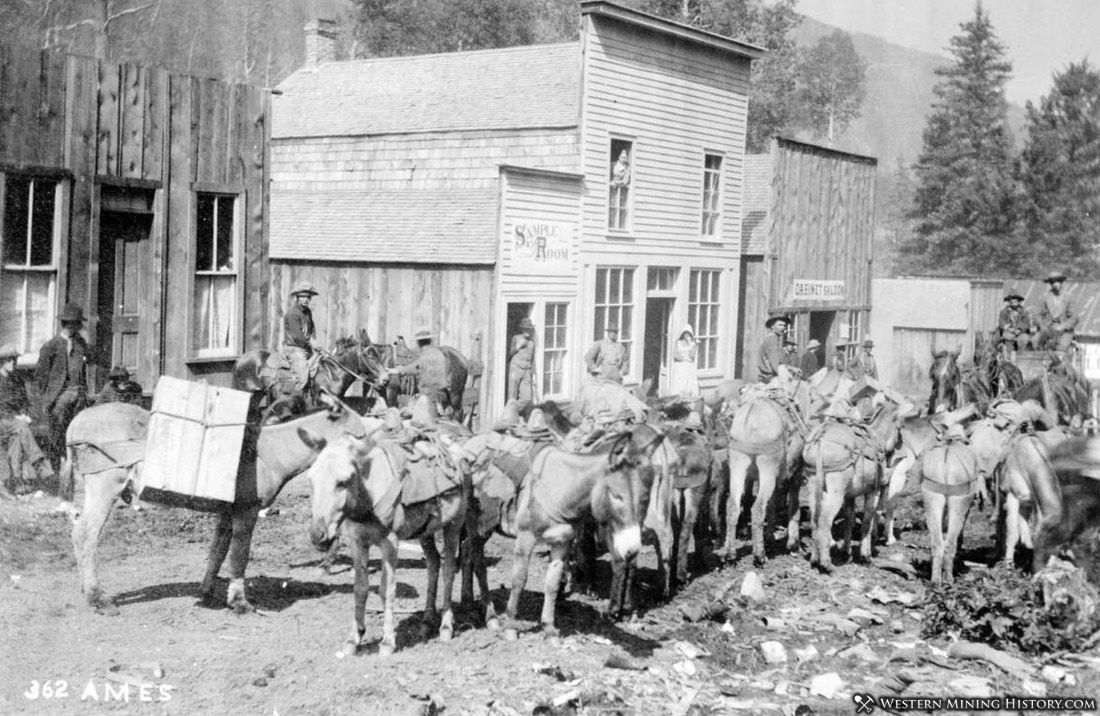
point(320, 41)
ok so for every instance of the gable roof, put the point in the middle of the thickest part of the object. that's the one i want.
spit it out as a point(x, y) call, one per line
point(407, 226)
point(512, 88)
point(756, 203)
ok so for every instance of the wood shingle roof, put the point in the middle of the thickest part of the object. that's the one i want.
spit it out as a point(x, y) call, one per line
point(456, 225)
point(444, 92)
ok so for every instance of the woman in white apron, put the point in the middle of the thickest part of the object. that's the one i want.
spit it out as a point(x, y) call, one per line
point(684, 377)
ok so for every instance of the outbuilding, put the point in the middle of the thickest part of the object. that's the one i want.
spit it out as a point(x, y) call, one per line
point(138, 194)
point(578, 185)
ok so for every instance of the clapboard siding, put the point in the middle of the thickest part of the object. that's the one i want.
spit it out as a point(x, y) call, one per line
point(104, 124)
point(675, 102)
point(388, 301)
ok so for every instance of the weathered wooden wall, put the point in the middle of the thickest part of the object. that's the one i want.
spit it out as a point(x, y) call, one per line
point(822, 222)
point(95, 123)
point(388, 301)
point(753, 312)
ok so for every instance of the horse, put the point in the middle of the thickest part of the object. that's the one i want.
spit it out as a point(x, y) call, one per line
point(106, 445)
point(561, 489)
point(258, 372)
point(848, 461)
point(456, 373)
point(1061, 390)
point(356, 485)
point(948, 473)
point(946, 378)
point(692, 482)
point(1076, 463)
point(766, 430)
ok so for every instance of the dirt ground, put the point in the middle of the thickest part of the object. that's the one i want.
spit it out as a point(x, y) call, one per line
point(854, 631)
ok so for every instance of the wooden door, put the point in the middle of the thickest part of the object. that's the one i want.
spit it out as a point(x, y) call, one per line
point(124, 291)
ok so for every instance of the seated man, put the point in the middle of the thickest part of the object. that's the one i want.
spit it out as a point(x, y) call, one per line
point(119, 389)
point(23, 461)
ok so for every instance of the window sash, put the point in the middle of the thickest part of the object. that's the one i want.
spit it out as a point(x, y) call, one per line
point(554, 348)
point(703, 308)
point(712, 194)
point(619, 197)
point(32, 223)
point(215, 319)
point(615, 303)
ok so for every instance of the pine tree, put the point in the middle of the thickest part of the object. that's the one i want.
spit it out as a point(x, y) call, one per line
point(964, 205)
point(1060, 173)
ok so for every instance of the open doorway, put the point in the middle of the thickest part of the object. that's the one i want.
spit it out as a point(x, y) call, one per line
point(821, 325)
point(658, 318)
point(515, 313)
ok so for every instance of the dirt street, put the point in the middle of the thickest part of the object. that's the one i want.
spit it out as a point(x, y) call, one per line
point(851, 632)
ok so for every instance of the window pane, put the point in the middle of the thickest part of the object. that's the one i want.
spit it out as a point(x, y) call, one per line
point(204, 232)
point(16, 215)
point(225, 234)
point(27, 319)
point(615, 284)
point(628, 285)
point(42, 223)
point(213, 312)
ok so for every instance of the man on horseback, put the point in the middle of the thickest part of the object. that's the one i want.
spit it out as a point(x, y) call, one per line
point(1014, 322)
point(299, 335)
point(1057, 319)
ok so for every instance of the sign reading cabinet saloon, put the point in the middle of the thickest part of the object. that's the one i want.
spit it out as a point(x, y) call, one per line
point(806, 289)
point(542, 247)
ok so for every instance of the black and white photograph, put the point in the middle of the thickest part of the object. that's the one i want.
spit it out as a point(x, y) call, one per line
point(549, 357)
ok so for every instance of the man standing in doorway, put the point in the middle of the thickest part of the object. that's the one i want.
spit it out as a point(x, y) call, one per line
point(299, 342)
point(62, 378)
point(1057, 320)
point(772, 348)
point(521, 364)
point(606, 359)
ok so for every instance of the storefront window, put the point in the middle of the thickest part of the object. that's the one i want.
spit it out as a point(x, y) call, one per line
point(554, 349)
point(703, 315)
point(615, 305)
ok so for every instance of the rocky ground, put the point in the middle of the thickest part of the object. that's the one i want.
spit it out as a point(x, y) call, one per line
point(801, 643)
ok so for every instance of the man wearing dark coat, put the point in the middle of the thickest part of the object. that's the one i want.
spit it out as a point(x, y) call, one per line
point(299, 342)
point(119, 389)
point(23, 459)
point(430, 369)
point(1057, 320)
point(812, 360)
point(1014, 321)
point(62, 376)
point(771, 348)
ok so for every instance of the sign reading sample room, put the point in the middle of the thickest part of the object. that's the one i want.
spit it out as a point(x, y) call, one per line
point(806, 289)
point(542, 247)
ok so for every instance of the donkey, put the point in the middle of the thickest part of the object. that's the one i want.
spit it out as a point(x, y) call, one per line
point(948, 473)
point(563, 488)
point(106, 445)
point(356, 485)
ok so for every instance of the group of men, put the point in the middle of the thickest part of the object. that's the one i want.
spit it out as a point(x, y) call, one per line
point(63, 384)
point(777, 350)
point(1052, 327)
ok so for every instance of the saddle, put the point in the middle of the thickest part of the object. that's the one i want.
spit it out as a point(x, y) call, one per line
point(424, 464)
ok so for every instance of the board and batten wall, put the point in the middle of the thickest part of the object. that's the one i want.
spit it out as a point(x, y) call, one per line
point(675, 102)
point(95, 124)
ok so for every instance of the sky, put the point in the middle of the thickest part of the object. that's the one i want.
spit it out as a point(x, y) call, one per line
point(1041, 37)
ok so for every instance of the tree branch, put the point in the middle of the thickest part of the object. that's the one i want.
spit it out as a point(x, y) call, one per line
point(123, 13)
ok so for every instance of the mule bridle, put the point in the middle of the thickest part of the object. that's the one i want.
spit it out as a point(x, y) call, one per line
point(373, 384)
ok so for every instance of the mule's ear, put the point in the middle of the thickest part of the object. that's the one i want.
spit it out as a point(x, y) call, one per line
point(364, 337)
point(312, 439)
point(619, 456)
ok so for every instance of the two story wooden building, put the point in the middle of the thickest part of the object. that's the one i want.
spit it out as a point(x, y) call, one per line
point(577, 184)
point(140, 195)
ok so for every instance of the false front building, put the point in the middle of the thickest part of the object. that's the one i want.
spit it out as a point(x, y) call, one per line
point(579, 184)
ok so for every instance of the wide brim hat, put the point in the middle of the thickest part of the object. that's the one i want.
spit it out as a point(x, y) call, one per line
point(8, 351)
point(118, 372)
point(1013, 296)
point(72, 313)
point(868, 344)
point(536, 426)
point(772, 320)
point(612, 326)
point(1054, 276)
point(423, 334)
point(526, 325)
point(303, 288)
point(814, 343)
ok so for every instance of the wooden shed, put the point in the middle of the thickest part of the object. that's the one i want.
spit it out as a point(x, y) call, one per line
point(807, 238)
point(140, 195)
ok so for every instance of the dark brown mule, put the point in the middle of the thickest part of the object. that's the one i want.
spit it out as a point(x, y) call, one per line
point(946, 379)
point(561, 490)
point(458, 370)
point(351, 359)
point(279, 456)
point(693, 480)
point(356, 485)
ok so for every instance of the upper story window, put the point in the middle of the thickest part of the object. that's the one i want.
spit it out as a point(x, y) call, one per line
point(712, 196)
point(618, 202)
point(30, 236)
point(215, 329)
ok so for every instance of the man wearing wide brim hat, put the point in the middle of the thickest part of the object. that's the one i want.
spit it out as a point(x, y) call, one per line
point(1014, 321)
point(23, 465)
point(62, 379)
point(521, 364)
point(772, 347)
point(299, 334)
point(1057, 321)
point(430, 369)
point(606, 358)
point(863, 364)
point(119, 388)
point(536, 429)
point(812, 359)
